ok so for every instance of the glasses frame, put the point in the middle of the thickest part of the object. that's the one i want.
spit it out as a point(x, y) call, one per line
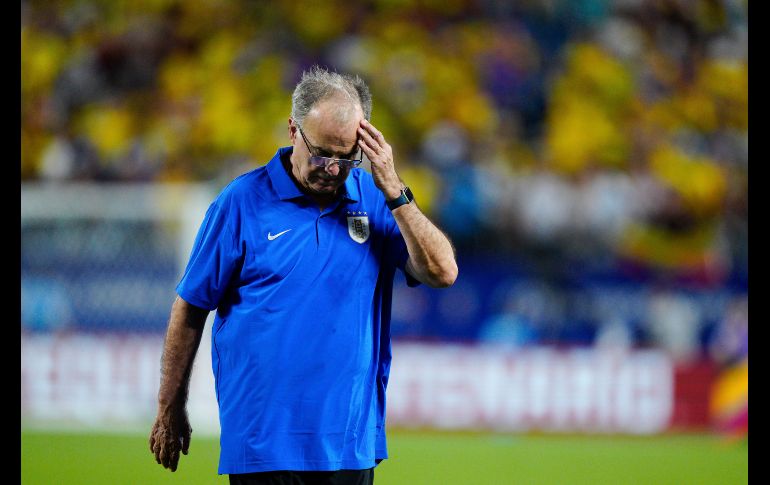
point(326, 162)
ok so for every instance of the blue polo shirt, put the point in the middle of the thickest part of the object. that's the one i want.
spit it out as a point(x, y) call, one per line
point(301, 339)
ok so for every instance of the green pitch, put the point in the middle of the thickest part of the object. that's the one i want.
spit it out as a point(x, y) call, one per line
point(416, 457)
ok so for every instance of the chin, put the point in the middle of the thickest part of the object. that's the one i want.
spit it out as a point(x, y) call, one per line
point(324, 189)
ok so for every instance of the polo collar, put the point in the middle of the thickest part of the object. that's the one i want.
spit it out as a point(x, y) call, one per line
point(352, 192)
point(285, 187)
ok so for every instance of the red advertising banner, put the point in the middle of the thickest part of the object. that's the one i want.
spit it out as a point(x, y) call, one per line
point(693, 384)
point(541, 389)
point(104, 381)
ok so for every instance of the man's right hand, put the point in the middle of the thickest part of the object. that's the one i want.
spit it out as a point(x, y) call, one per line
point(170, 434)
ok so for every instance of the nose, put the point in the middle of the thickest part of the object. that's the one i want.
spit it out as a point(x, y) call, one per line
point(332, 169)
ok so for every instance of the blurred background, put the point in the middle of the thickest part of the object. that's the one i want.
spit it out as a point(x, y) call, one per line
point(588, 158)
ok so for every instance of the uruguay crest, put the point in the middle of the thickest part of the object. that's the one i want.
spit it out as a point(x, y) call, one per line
point(358, 226)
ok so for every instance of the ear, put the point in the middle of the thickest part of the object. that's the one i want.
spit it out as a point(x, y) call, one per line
point(292, 130)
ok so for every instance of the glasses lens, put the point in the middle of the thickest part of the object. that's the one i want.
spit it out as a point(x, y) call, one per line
point(318, 161)
point(325, 161)
point(349, 163)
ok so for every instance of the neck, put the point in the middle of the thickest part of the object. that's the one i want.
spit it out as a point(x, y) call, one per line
point(323, 201)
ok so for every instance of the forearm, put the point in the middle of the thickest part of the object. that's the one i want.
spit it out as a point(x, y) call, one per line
point(431, 255)
point(183, 336)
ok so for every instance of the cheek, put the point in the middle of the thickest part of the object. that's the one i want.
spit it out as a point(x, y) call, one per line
point(308, 173)
point(311, 174)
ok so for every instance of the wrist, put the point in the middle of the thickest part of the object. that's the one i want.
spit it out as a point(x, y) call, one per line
point(393, 193)
point(172, 404)
point(173, 398)
point(404, 197)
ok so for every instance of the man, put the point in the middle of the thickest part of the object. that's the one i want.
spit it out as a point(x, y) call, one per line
point(298, 259)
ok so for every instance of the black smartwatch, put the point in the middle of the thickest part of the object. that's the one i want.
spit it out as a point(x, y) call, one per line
point(405, 198)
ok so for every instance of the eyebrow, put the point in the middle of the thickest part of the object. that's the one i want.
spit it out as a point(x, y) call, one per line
point(328, 154)
point(352, 154)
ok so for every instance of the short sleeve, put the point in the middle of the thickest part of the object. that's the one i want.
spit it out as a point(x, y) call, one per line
point(396, 252)
point(214, 258)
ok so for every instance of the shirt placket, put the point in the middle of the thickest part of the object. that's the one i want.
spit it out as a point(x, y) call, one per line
point(325, 224)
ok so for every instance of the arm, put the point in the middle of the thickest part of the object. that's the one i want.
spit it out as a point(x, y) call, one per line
point(171, 432)
point(431, 255)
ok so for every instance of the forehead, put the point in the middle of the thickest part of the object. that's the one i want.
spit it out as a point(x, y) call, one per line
point(333, 125)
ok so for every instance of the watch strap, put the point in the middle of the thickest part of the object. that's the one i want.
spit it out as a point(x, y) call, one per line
point(405, 198)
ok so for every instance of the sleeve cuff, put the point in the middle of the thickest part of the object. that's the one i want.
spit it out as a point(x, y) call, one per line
point(193, 300)
point(411, 281)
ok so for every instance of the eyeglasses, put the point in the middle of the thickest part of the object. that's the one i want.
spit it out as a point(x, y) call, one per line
point(320, 161)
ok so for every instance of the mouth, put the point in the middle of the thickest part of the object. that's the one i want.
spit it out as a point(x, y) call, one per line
point(327, 181)
point(322, 185)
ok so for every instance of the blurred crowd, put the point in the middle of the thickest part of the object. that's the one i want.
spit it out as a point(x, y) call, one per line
point(601, 145)
point(613, 134)
point(608, 132)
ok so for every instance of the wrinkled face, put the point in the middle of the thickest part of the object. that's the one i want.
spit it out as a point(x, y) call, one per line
point(330, 130)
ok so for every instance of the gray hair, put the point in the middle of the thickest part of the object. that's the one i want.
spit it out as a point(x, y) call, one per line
point(319, 83)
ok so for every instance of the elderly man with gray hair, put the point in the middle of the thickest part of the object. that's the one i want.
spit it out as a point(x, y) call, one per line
point(298, 258)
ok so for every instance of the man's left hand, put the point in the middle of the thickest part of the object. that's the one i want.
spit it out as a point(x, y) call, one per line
point(170, 434)
point(380, 153)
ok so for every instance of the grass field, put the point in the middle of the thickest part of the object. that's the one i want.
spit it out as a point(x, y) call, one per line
point(416, 457)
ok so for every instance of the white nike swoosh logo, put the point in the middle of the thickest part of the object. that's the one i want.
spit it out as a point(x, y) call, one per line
point(271, 236)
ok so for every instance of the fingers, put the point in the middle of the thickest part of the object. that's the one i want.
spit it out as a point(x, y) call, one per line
point(374, 132)
point(166, 445)
point(186, 437)
point(173, 459)
point(370, 153)
point(156, 451)
point(376, 148)
point(372, 136)
point(155, 444)
point(380, 154)
point(163, 455)
point(368, 139)
point(169, 455)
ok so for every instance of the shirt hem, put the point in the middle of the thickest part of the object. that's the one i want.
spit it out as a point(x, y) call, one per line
point(297, 466)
